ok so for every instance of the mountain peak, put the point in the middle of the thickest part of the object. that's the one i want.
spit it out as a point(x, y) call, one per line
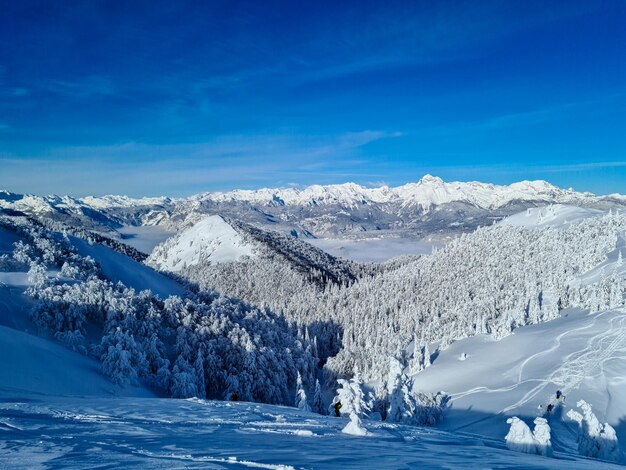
point(430, 179)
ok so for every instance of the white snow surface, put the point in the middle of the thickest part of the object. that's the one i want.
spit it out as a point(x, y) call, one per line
point(32, 365)
point(92, 432)
point(118, 267)
point(372, 250)
point(58, 411)
point(580, 354)
point(554, 215)
point(212, 239)
point(355, 426)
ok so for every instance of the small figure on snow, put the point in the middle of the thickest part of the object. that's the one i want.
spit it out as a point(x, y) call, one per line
point(234, 397)
point(337, 407)
point(559, 395)
point(550, 408)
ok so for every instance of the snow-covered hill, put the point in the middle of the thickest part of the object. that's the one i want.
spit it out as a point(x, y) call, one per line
point(36, 366)
point(554, 215)
point(214, 240)
point(211, 240)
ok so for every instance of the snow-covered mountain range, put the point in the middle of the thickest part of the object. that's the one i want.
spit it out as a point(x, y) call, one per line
point(428, 206)
point(428, 192)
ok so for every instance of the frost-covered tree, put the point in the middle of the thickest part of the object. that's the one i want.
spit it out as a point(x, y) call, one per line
point(595, 439)
point(520, 438)
point(355, 426)
point(37, 275)
point(184, 382)
point(408, 406)
point(122, 359)
point(541, 435)
point(318, 399)
point(351, 396)
point(301, 400)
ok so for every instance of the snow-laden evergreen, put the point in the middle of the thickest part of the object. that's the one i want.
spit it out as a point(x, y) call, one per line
point(318, 399)
point(197, 346)
point(301, 400)
point(355, 426)
point(520, 437)
point(491, 281)
point(542, 437)
point(595, 439)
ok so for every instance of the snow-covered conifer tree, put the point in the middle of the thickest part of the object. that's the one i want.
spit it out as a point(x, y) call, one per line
point(519, 437)
point(122, 359)
point(541, 435)
point(301, 401)
point(595, 439)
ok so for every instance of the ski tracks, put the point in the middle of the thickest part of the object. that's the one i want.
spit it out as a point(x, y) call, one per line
point(581, 364)
point(589, 361)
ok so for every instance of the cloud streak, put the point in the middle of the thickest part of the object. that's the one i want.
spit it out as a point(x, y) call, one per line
point(225, 163)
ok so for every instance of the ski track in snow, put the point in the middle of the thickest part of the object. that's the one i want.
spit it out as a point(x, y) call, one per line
point(229, 460)
point(584, 363)
point(554, 347)
point(581, 354)
point(552, 379)
point(577, 366)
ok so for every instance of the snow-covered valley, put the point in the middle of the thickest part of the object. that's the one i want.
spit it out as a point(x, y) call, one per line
point(91, 359)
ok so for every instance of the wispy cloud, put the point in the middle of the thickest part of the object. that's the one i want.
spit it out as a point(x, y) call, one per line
point(83, 87)
point(225, 163)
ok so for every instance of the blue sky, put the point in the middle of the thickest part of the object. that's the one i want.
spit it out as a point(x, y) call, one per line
point(150, 97)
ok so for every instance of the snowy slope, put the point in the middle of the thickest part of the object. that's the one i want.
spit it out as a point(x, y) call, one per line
point(555, 215)
point(581, 354)
point(40, 366)
point(120, 268)
point(43, 423)
point(162, 433)
point(211, 240)
point(32, 365)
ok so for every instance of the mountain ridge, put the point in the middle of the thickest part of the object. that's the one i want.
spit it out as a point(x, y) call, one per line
point(429, 206)
point(432, 189)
